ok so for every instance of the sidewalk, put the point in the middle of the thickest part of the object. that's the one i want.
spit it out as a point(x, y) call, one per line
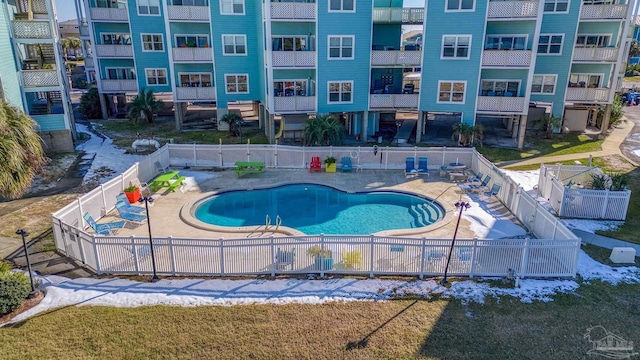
point(603, 241)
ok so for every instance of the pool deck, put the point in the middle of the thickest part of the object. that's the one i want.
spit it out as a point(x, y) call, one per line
point(166, 220)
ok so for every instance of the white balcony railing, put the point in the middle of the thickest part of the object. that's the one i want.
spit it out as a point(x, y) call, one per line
point(293, 10)
point(39, 78)
point(188, 13)
point(512, 9)
point(89, 62)
point(398, 15)
point(588, 94)
point(84, 31)
point(192, 54)
point(501, 104)
point(393, 101)
point(293, 58)
point(119, 85)
point(604, 12)
point(506, 58)
point(109, 14)
point(31, 29)
point(115, 51)
point(395, 57)
point(295, 103)
point(196, 93)
point(595, 54)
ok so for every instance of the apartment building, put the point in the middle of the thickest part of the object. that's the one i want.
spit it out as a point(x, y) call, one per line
point(32, 73)
point(448, 61)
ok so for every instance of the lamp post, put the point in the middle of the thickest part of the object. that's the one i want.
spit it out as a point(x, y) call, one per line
point(398, 124)
point(462, 205)
point(23, 233)
point(147, 200)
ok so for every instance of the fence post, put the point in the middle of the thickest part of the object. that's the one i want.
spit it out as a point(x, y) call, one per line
point(322, 255)
point(195, 156)
point(372, 247)
point(172, 256)
point(221, 257)
point(606, 203)
point(444, 152)
point(134, 251)
point(422, 256)
point(386, 159)
point(96, 254)
point(275, 147)
point(304, 155)
point(473, 257)
point(122, 182)
point(273, 257)
point(555, 229)
point(525, 258)
point(79, 241)
point(220, 153)
point(104, 200)
point(80, 218)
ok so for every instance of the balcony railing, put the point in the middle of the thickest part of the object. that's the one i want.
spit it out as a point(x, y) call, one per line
point(293, 11)
point(196, 93)
point(109, 14)
point(39, 78)
point(600, 95)
point(512, 9)
point(31, 29)
point(84, 31)
point(395, 57)
point(604, 12)
point(295, 103)
point(115, 51)
point(398, 15)
point(120, 85)
point(506, 58)
point(192, 54)
point(293, 58)
point(37, 6)
point(188, 13)
point(393, 101)
point(595, 54)
point(89, 62)
point(501, 104)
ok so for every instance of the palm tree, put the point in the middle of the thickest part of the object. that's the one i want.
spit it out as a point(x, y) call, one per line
point(21, 151)
point(468, 134)
point(234, 120)
point(550, 123)
point(70, 43)
point(634, 49)
point(143, 106)
point(323, 130)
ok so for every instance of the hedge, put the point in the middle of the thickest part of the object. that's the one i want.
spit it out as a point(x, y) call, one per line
point(14, 288)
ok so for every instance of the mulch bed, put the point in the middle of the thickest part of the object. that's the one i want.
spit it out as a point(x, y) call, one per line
point(26, 305)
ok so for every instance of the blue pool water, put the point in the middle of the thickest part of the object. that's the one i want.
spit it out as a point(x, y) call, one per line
point(316, 209)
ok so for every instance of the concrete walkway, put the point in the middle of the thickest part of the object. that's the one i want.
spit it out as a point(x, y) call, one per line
point(603, 241)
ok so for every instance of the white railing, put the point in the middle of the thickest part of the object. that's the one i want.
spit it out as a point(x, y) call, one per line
point(588, 94)
point(125, 51)
point(507, 58)
point(293, 58)
point(192, 54)
point(512, 9)
point(595, 54)
point(37, 6)
point(393, 101)
point(31, 29)
point(84, 31)
point(196, 93)
point(89, 62)
point(109, 14)
point(604, 12)
point(119, 85)
point(398, 15)
point(293, 10)
point(294, 103)
point(188, 13)
point(39, 78)
point(501, 104)
point(395, 57)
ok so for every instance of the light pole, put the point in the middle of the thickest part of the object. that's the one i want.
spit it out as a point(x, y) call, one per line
point(398, 124)
point(23, 233)
point(147, 200)
point(462, 205)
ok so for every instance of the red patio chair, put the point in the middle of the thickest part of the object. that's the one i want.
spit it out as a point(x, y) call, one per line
point(315, 164)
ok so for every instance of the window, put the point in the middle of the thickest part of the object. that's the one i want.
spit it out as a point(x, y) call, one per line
point(152, 42)
point(451, 91)
point(234, 44)
point(505, 42)
point(237, 83)
point(148, 7)
point(341, 47)
point(232, 7)
point(288, 43)
point(121, 73)
point(342, 5)
point(561, 6)
point(200, 41)
point(112, 4)
point(456, 46)
point(550, 44)
point(195, 80)
point(190, 2)
point(500, 88)
point(156, 76)
point(290, 88)
point(116, 39)
point(592, 41)
point(544, 84)
point(585, 80)
point(460, 5)
point(340, 92)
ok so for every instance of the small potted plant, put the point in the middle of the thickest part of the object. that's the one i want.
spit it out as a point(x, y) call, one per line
point(330, 164)
point(133, 193)
point(323, 259)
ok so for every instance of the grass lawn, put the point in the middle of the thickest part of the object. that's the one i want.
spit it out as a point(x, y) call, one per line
point(632, 79)
point(561, 144)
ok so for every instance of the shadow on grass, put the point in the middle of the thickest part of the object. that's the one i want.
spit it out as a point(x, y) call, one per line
point(362, 343)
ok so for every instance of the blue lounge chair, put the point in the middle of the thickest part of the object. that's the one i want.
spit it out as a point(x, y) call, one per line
point(476, 178)
point(410, 167)
point(125, 214)
point(495, 189)
point(423, 169)
point(103, 229)
point(482, 185)
point(134, 209)
point(345, 165)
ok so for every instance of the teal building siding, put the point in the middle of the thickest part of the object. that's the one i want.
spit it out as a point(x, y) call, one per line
point(8, 67)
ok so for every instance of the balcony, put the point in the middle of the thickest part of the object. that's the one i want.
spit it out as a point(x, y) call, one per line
point(84, 31)
point(501, 104)
point(604, 12)
point(294, 103)
point(114, 51)
point(196, 93)
point(506, 58)
point(39, 78)
point(598, 95)
point(89, 63)
point(119, 86)
point(37, 6)
point(188, 13)
point(31, 29)
point(393, 101)
point(109, 14)
point(293, 11)
point(513, 10)
point(192, 54)
point(595, 54)
point(398, 15)
point(395, 58)
point(293, 58)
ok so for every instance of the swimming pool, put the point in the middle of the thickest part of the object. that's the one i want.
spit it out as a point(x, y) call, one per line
point(316, 209)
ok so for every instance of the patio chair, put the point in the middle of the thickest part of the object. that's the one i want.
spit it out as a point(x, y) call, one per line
point(134, 209)
point(315, 164)
point(482, 185)
point(285, 258)
point(410, 166)
point(423, 169)
point(125, 214)
point(495, 189)
point(476, 178)
point(105, 228)
point(161, 169)
point(345, 164)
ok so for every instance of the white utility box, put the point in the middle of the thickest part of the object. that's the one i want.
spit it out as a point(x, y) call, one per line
point(623, 255)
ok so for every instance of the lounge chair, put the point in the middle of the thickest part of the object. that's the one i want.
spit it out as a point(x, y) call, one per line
point(495, 189)
point(482, 185)
point(161, 169)
point(315, 164)
point(410, 166)
point(127, 215)
point(476, 178)
point(423, 169)
point(345, 165)
point(134, 209)
point(103, 229)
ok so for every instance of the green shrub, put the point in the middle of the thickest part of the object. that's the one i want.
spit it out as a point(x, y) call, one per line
point(14, 288)
point(90, 104)
point(4, 267)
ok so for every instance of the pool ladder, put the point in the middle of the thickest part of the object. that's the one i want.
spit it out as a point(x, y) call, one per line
point(267, 224)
